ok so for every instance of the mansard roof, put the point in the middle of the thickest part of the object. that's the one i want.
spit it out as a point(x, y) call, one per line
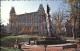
point(27, 13)
point(36, 12)
point(41, 7)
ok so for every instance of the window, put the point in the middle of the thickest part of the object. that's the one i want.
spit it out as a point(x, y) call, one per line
point(37, 27)
point(79, 5)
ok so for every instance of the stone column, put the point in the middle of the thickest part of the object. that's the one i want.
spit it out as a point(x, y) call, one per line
point(49, 26)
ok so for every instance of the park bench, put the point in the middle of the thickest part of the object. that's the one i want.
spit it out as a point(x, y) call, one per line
point(32, 39)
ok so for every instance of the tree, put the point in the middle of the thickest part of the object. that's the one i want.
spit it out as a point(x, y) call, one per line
point(75, 11)
point(32, 29)
point(58, 25)
point(59, 18)
point(24, 30)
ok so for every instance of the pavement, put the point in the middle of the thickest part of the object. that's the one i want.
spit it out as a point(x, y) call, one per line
point(26, 47)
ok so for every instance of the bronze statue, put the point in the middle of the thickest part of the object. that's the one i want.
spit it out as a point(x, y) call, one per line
point(48, 9)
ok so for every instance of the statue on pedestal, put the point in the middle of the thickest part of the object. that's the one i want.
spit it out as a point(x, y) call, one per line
point(48, 9)
point(49, 21)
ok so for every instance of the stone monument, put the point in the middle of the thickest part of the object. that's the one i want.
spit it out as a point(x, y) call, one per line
point(51, 38)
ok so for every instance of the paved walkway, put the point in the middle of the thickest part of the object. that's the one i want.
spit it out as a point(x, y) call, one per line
point(26, 47)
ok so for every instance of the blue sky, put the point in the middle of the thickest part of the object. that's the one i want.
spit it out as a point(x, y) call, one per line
point(22, 7)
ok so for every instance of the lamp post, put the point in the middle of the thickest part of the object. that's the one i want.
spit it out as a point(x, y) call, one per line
point(45, 45)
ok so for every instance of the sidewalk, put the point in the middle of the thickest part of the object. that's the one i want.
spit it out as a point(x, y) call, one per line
point(26, 47)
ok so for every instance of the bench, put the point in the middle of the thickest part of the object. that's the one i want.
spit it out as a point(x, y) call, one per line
point(32, 39)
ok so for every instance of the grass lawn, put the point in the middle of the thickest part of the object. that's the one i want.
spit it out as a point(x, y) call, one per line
point(69, 38)
point(9, 41)
point(8, 49)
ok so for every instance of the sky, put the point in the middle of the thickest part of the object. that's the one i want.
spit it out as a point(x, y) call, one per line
point(22, 7)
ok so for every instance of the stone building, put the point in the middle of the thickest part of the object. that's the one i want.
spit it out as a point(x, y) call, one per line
point(27, 20)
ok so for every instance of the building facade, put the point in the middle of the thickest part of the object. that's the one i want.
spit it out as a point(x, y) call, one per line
point(25, 22)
